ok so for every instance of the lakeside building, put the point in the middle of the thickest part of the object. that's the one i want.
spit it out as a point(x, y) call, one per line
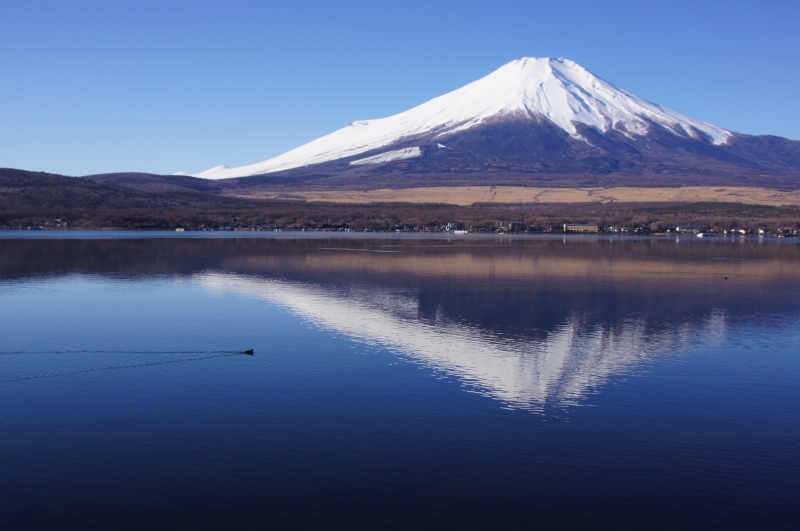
point(686, 229)
point(512, 226)
point(579, 227)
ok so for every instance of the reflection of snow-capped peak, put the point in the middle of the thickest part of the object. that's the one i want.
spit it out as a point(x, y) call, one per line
point(557, 90)
point(525, 373)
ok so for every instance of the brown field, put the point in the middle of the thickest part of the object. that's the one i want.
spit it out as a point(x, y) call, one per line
point(470, 195)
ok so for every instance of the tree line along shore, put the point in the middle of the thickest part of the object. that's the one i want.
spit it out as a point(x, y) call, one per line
point(618, 218)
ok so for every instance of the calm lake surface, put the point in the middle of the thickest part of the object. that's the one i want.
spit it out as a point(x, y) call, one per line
point(398, 383)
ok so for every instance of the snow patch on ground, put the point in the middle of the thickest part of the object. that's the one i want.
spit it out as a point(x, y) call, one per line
point(389, 156)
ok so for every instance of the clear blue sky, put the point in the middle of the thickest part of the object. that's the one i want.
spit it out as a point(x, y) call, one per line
point(164, 86)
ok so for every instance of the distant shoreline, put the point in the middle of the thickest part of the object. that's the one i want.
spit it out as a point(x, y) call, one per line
point(122, 234)
point(31, 199)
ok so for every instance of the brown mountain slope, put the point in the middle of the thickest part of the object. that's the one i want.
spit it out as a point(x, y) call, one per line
point(31, 198)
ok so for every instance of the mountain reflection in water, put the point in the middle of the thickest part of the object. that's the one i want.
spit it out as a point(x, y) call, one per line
point(527, 321)
point(559, 368)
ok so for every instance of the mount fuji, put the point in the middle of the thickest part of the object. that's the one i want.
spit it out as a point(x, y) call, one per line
point(532, 121)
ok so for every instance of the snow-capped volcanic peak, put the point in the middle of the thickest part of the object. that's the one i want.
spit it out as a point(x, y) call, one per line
point(557, 90)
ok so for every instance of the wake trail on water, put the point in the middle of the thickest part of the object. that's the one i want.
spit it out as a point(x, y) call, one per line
point(3, 352)
point(71, 372)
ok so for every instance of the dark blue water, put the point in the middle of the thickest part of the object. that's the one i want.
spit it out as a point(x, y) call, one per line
point(399, 383)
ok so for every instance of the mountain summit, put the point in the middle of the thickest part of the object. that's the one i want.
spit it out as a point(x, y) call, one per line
point(531, 116)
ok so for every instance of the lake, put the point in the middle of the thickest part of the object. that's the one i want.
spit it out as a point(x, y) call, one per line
point(398, 382)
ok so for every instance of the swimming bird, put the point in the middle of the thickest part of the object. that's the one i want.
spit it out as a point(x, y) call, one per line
point(250, 352)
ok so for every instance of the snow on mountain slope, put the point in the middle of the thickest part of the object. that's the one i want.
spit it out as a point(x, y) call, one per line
point(557, 90)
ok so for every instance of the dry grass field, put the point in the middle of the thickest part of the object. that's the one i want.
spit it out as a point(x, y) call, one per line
point(470, 195)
